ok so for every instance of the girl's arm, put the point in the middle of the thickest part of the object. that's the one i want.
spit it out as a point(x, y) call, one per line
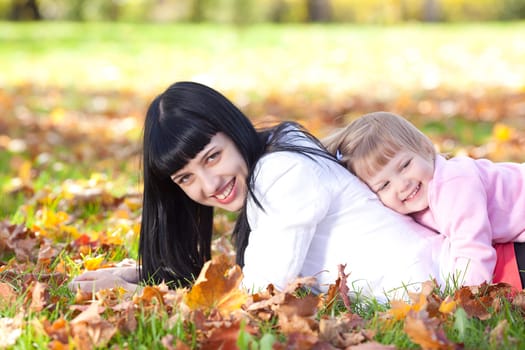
point(461, 213)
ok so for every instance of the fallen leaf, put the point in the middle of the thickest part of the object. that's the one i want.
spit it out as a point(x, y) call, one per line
point(426, 332)
point(217, 287)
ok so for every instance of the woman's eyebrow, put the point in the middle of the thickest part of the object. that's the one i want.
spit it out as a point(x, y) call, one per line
point(207, 153)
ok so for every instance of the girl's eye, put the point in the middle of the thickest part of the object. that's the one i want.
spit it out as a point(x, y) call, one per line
point(383, 186)
point(407, 163)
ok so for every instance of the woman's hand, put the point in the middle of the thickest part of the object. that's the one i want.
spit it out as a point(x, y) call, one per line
point(125, 277)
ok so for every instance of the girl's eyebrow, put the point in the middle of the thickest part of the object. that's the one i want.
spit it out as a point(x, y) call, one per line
point(402, 161)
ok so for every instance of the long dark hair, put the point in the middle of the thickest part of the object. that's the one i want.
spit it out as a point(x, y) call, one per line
point(176, 232)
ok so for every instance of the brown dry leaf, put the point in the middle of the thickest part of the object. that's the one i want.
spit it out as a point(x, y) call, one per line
point(297, 324)
point(304, 306)
point(372, 346)
point(328, 300)
point(58, 331)
point(217, 287)
point(298, 340)
point(38, 296)
point(426, 332)
point(343, 286)
point(90, 330)
point(7, 293)
point(476, 300)
point(223, 336)
point(342, 332)
point(18, 239)
point(519, 300)
point(167, 342)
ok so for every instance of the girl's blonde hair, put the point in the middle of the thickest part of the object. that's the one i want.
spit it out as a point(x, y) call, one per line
point(369, 142)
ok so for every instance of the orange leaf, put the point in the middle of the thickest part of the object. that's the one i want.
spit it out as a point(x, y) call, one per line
point(426, 332)
point(7, 293)
point(448, 306)
point(217, 287)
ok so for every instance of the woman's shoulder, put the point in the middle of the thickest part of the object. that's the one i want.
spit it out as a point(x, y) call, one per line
point(285, 164)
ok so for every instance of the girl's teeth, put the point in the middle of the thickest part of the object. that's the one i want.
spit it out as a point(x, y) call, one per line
point(410, 196)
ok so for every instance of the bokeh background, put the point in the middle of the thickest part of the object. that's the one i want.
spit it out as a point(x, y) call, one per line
point(76, 77)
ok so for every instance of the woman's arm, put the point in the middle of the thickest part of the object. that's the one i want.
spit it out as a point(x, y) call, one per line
point(126, 277)
point(294, 201)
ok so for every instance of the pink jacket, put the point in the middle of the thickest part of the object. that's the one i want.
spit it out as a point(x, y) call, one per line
point(475, 203)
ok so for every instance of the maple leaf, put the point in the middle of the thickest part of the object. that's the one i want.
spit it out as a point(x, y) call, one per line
point(343, 332)
point(7, 293)
point(426, 332)
point(90, 330)
point(217, 287)
point(477, 300)
point(224, 337)
point(38, 294)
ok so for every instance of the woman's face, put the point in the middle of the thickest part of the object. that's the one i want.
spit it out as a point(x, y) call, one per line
point(216, 177)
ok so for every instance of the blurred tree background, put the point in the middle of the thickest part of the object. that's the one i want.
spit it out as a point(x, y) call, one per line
point(77, 76)
point(253, 11)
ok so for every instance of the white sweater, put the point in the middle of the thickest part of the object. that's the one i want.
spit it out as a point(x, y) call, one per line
point(316, 216)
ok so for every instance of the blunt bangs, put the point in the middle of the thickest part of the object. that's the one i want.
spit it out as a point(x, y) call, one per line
point(371, 157)
point(177, 141)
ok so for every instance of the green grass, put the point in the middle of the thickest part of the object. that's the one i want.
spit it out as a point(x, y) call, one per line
point(264, 58)
point(114, 69)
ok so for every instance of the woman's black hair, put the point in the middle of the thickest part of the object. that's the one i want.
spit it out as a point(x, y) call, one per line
point(176, 232)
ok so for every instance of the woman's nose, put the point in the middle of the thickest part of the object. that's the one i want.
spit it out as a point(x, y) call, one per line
point(210, 184)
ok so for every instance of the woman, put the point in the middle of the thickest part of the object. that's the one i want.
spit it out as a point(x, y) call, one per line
point(300, 213)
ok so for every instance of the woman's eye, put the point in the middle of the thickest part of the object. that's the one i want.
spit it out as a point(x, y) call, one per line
point(213, 157)
point(183, 180)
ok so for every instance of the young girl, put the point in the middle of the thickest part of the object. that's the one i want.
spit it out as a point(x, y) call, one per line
point(300, 213)
point(473, 202)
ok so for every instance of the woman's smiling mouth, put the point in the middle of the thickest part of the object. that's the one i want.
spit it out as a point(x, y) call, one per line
point(227, 194)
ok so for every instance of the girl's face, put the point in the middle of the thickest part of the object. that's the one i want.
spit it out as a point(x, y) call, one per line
point(402, 184)
point(216, 177)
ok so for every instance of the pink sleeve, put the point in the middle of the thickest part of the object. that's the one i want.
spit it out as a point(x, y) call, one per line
point(460, 211)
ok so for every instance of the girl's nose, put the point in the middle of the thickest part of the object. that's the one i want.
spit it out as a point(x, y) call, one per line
point(403, 184)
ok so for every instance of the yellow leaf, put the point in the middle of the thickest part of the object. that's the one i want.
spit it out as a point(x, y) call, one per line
point(24, 172)
point(502, 132)
point(217, 287)
point(399, 309)
point(448, 306)
point(93, 263)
